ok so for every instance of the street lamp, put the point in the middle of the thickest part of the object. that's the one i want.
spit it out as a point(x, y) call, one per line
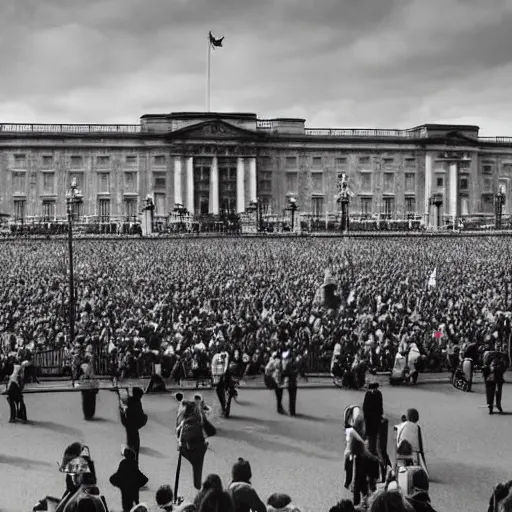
point(73, 197)
point(180, 210)
point(293, 207)
point(343, 198)
point(437, 201)
point(499, 201)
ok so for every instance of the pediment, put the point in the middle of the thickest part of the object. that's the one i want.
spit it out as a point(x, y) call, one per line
point(214, 130)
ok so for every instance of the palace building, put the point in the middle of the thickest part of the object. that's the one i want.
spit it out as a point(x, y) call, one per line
point(212, 163)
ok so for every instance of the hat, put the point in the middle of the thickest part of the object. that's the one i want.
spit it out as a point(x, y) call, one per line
point(278, 501)
point(420, 480)
point(373, 385)
point(241, 471)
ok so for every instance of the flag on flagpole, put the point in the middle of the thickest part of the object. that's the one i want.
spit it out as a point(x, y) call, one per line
point(215, 43)
point(432, 279)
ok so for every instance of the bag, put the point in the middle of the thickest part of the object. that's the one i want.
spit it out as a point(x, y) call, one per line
point(405, 477)
point(270, 383)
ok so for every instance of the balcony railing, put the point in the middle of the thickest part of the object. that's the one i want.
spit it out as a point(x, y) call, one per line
point(70, 128)
point(496, 140)
point(357, 132)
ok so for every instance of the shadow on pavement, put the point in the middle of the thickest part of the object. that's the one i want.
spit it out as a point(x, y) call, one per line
point(22, 462)
point(56, 427)
point(145, 450)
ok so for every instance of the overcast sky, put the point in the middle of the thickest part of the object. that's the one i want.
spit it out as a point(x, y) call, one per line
point(336, 63)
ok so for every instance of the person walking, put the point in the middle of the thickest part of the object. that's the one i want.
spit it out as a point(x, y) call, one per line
point(274, 379)
point(493, 372)
point(219, 368)
point(290, 373)
point(133, 419)
point(373, 412)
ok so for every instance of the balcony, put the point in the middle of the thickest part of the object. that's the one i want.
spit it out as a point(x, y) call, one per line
point(70, 128)
point(357, 132)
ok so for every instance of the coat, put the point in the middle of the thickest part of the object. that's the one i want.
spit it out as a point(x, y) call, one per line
point(373, 410)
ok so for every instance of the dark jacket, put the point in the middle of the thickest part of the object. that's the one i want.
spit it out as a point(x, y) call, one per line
point(135, 417)
point(128, 476)
point(420, 502)
point(373, 410)
point(246, 498)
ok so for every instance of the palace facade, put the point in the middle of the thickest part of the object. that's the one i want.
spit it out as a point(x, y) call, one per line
point(213, 163)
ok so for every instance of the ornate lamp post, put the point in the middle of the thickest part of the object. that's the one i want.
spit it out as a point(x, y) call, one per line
point(437, 201)
point(343, 198)
point(181, 211)
point(73, 197)
point(292, 207)
point(148, 212)
point(499, 201)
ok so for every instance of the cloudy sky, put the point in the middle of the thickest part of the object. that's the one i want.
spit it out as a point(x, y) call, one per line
point(336, 63)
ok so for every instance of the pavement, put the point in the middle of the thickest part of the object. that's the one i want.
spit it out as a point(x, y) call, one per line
point(467, 450)
point(315, 381)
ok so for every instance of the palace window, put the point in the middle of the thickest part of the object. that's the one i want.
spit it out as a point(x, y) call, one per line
point(388, 161)
point(487, 185)
point(47, 161)
point(265, 181)
point(366, 205)
point(440, 181)
point(104, 209)
point(464, 183)
point(159, 181)
point(228, 205)
point(410, 204)
point(130, 182)
point(291, 183)
point(389, 207)
point(291, 162)
point(20, 161)
point(364, 159)
point(77, 162)
point(159, 160)
point(265, 161)
point(48, 183)
point(389, 182)
point(410, 182)
point(102, 161)
point(48, 213)
point(317, 162)
point(340, 161)
point(19, 209)
point(104, 182)
point(366, 182)
point(317, 182)
point(317, 205)
point(487, 169)
point(130, 208)
point(131, 161)
point(487, 203)
point(19, 182)
point(464, 165)
point(159, 204)
point(410, 162)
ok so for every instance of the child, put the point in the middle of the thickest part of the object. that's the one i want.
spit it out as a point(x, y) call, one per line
point(129, 479)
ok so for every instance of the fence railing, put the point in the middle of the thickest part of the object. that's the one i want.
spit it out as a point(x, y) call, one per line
point(69, 128)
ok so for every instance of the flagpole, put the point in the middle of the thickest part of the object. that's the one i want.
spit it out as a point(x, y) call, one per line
point(208, 75)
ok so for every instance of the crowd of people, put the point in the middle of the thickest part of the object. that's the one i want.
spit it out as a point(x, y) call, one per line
point(176, 303)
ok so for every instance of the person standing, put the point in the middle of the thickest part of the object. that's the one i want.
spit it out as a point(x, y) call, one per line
point(15, 394)
point(290, 372)
point(493, 373)
point(274, 379)
point(373, 412)
point(220, 375)
point(469, 358)
point(134, 419)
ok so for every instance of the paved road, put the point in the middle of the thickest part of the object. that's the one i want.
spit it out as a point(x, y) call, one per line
point(467, 450)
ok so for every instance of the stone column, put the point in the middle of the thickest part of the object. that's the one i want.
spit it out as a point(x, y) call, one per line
point(240, 185)
point(252, 179)
point(178, 192)
point(428, 210)
point(453, 189)
point(190, 185)
point(214, 187)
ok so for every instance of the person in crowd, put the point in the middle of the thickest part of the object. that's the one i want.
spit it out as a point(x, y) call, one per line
point(211, 482)
point(216, 500)
point(387, 501)
point(419, 499)
point(279, 502)
point(290, 374)
point(470, 351)
point(493, 373)
point(128, 479)
point(343, 506)
point(219, 369)
point(14, 391)
point(274, 374)
point(134, 419)
point(373, 411)
point(244, 496)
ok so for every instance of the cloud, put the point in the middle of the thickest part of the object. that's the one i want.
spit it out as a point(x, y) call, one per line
point(353, 63)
